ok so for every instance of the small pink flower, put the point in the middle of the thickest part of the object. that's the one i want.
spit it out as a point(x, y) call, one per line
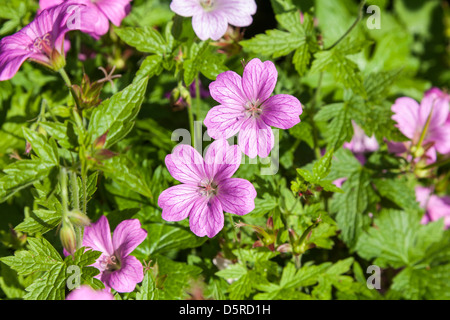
point(436, 207)
point(411, 118)
point(360, 142)
point(105, 11)
point(118, 270)
point(207, 189)
point(42, 40)
point(210, 18)
point(247, 107)
point(87, 293)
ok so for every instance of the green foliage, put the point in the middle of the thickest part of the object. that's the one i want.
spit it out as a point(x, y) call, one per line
point(307, 238)
point(43, 259)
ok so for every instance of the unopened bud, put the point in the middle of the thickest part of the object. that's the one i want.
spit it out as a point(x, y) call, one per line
point(78, 218)
point(67, 236)
point(417, 152)
point(186, 95)
point(100, 141)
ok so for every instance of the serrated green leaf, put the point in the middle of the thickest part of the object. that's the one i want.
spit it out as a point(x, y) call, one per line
point(116, 115)
point(46, 150)
point(22, 174)
point(145, 39)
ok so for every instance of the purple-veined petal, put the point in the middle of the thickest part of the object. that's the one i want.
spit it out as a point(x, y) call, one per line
point(223, 121)
point(222, 160)
point(177, 201)
point(10, 63)
point(238, 12)
point(227, 90)
point(125, 279)
point(256, 138)
point(98, 236)
point(406, 114)
point(115, 10)
point(127, 236)
point(237, 196)
point(282, 111)
point(186, 8)
point(208, 25)
point(206, 218)
point(185, 164)
point(259, 80)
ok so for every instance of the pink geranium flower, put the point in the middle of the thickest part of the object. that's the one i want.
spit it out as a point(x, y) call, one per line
point(247, 107)
point(411, 118)
point(210, 18)
point(360, 142)
point(436, 207)
point(118, 270)
point(105, 11)
point(207, 189)
point(87, 293)
point(42, 40)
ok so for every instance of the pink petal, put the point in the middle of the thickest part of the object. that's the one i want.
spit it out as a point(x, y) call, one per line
point(98, 236)
point(127, 236)
point(238, 12)
point(115, 10)
point(282, 111)
point(87, 293)
point(422, 196)
point(440, 136)
point(177, 201)
point(185, 164)
point(237, 196)
point(44, 4)
point(227, 90)
point(438, 208)
point(10, 63)
point(125, 279)
point(222, 160)
point(256, 138)
point(211, 24)
point(186, 8)
point(439, 108)
point(206, 218)
point(259, 80)
point(223, 121)
point(406, 114)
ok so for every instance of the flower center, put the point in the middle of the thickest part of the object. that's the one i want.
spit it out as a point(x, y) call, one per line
point(110, 263)
point(208, 189)
point(43, 45)
point(253, 109)
point(207, 4)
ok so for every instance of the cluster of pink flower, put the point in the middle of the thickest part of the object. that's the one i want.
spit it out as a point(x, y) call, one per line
point(427, 126)
point(207, 189)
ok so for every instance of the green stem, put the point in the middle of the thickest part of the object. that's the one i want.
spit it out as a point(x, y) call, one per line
point(313, 107)
point(66, 79)
point(298, 261)
point(64, 195)
point(191, 124)
point(75, 195)
point(235, 234)
point(198, 101)
point(360, 16)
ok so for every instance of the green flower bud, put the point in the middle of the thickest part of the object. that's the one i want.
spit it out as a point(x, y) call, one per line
point(78, 218)
point(67, 236)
